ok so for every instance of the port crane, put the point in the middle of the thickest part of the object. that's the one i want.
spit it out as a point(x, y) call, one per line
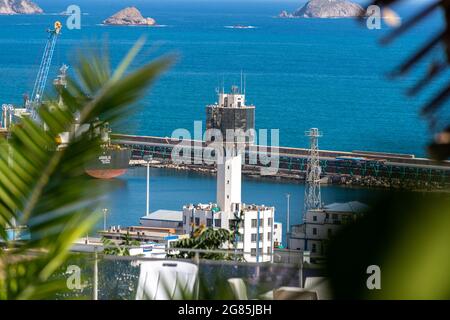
point(32, 103)
point(9, 113)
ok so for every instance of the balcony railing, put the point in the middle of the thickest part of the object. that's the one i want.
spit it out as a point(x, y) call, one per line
point(116, 277)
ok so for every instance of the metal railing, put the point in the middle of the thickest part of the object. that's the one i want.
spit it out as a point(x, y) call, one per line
point(108, 277)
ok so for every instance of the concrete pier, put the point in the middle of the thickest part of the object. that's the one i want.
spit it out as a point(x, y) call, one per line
point(357, 168)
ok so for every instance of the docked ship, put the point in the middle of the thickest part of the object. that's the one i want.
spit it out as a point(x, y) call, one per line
point(113, 160)
point(111, 163)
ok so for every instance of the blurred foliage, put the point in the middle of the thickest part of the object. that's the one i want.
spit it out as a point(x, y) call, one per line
point(408, 236)
point(119, 249)
point(44, 187)
point(438, 40)
point(204, 238)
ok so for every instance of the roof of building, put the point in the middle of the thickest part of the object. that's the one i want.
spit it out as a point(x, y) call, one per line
point(165, 215)
point(214, 207)
point(352, 206)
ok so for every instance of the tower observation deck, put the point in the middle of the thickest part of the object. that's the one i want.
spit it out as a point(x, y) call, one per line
point(231, 114)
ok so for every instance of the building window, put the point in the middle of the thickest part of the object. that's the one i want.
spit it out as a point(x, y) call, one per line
point(314, 231)
point(269, 236)
point(209, 222)
point(269, 250)
point(313, 248)
point(254, 223)
point(254, 237)
point(228, 181)
point(197, 221)
point(270, 222)
point(275, 226)
point(261, 222)
point(218, 223)
point(184, 219)
point(253, 252)
point(228, 196)
point(314, 218)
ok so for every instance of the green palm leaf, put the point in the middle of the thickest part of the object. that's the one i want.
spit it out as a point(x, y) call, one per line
point(44, 187)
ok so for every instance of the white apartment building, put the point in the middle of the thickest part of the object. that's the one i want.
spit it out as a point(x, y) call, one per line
point(256, 244)
point(321, 224)
point(257, 228)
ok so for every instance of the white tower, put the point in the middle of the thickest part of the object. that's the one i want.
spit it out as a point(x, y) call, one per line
point(235, 121)
point(229, 180)
point(313, 170)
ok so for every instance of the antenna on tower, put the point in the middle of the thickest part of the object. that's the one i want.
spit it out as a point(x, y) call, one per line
point(241, 82)
point(223, 83)
point(313, 199)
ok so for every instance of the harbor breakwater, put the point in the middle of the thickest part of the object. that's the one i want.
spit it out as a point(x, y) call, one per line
point(358, 168)
point(299, 177)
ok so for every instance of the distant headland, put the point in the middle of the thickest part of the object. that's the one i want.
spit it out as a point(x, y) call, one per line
point(19, 7)
point(130, 16)
point(326, 9)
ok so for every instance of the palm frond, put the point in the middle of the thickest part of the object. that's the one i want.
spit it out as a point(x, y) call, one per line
point(44, 187)
point(439, 149)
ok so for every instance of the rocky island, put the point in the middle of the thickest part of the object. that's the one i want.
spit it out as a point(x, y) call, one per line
point(130, 16)
point(19, 7)
point(326, 9)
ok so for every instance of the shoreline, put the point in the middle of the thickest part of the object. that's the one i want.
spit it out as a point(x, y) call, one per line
point(297, 177)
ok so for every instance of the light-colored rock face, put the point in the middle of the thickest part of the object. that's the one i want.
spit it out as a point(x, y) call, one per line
point(129, 16)
point(330, 9)
point(19, 7)
point(285, 14)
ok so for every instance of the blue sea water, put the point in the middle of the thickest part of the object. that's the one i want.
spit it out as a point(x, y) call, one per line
point(301, 73)
point(173, 189)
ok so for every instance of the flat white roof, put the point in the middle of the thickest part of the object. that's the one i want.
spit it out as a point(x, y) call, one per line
point(165, 215)
point(352, 206)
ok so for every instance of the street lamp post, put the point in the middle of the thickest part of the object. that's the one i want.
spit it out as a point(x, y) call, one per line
point(105, 211)
point(148, 159)
point(288, 197)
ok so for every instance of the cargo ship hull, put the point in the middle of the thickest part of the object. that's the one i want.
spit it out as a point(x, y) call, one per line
point(111, 163)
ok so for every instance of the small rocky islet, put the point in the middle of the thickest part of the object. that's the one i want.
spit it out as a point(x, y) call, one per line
point(130, 16)
point(9, 7)
point(326, 9)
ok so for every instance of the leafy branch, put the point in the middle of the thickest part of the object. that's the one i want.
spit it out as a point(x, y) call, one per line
point(44, 187)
